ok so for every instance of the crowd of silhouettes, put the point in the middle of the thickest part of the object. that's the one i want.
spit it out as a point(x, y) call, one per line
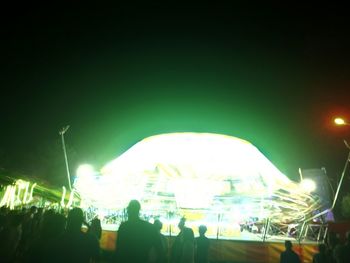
point(139, 241)
point(38, 235)
point(333, 251)
point(35, 235)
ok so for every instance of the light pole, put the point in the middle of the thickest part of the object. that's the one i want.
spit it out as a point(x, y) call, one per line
point(62, 132)
point(340, 122)
point(335, 195)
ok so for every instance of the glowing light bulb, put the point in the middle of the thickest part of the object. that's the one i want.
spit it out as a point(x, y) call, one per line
point(339, 121)
point(308, 185)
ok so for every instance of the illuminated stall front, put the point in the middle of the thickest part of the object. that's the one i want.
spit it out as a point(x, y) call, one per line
point(221, 181)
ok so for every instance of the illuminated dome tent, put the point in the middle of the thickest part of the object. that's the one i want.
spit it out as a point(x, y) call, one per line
point(199, 174)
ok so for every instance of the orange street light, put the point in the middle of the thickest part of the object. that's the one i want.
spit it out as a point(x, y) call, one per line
point(340, 121)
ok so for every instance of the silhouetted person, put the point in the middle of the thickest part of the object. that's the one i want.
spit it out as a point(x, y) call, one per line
point(95, 228)
point(176, 249)
point(27, 230)
point(344, 251)
point(187, 246)
point(333, 247)
point(289, 256)
point(137, 240)
point(159, 225)
point(321, 256)
point(37, 222)
point(42, 249)
point(31, 231)
point(3, 217)
point(10, 237)
point(202, 246)
point(75, 245)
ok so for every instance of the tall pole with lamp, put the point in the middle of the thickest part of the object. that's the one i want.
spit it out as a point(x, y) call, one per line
point(340, 122)
point(62, 132)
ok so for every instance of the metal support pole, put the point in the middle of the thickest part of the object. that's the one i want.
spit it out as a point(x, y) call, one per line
point(62, 132)
point(301, 231)
point(267, 226)
point(218, 227)
point(319, 233)
point(336, 193)
point(342, 177)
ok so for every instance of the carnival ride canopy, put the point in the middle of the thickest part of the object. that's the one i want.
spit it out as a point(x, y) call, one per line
point(198, 172)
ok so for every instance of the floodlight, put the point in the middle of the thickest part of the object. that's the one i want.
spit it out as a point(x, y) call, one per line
point(85, 170)
point(308, 185)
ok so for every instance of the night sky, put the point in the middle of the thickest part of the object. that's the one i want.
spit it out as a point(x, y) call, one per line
point(274, 76)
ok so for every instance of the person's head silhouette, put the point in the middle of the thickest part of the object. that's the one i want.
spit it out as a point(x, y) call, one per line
point(288, 245)
point(202, 229)
point(187, 234)
point(181, 224)
point(322, 248)
point(133, 209)
point(158, 224)
point(75, 219)
point(347, 237)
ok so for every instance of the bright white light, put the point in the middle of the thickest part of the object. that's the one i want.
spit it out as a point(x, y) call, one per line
point(85, 170)
point(339, 121)
point(308, 185)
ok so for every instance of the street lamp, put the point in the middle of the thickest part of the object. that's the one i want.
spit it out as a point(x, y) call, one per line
point(341, 122)
point(62, 132)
